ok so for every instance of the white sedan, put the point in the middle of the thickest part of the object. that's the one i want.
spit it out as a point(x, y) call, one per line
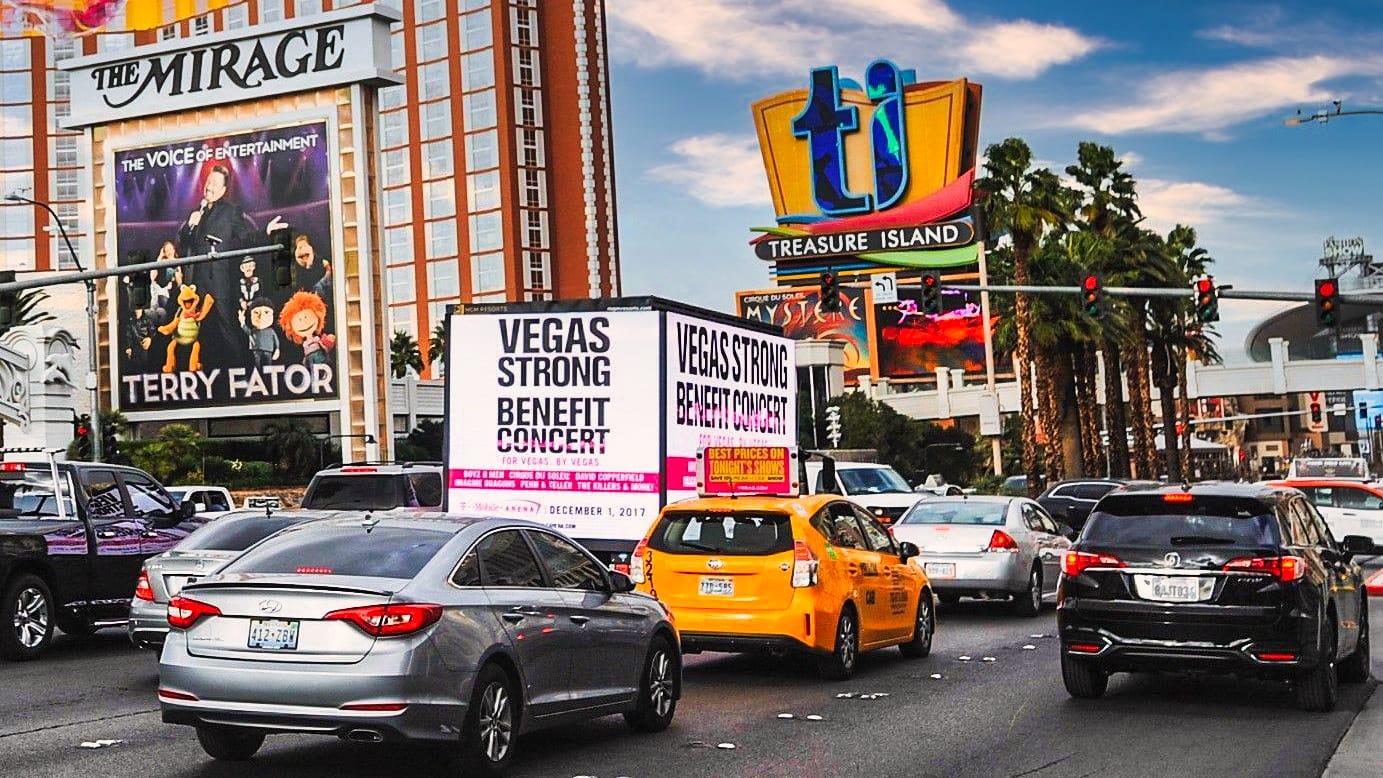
point(987, 547)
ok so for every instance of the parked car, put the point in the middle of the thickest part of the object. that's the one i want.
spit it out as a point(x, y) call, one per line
point(208, 501)
point(1072, 501)
point(73, 536)
point(987, 547)
point(781, 574)
point(1349, 507)
point(376, 486)
point(1219, 578)
point(197, 556)
point(877, 487)
point(467, 632)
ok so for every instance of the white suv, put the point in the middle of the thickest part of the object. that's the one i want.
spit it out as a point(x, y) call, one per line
point(376, 486)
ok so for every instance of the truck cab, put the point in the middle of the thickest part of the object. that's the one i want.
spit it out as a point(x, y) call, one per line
point(73, 536)
point(876, 487)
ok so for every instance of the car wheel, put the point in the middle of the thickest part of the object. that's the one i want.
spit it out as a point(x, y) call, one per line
point(1029, 601)
point(1317, 689)
point(657, 689)
point(229, 743)
point(1355, 669)
point(490, 737)
point(26, 618)
point(1084, 680)
point(921, 643)
point(840, 664)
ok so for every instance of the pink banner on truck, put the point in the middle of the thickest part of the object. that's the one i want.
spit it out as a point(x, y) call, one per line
point(554, 481)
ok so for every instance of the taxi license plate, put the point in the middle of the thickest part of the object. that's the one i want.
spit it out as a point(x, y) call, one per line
point(940, 569)
point(273, 634)
point(718, 587)
point(1174, 588)
point(175, 583)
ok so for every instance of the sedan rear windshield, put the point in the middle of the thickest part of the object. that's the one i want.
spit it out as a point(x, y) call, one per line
point(1151, 520)
point(235, 534)
point(738, 533)
point(384, 552)
point(957, 512)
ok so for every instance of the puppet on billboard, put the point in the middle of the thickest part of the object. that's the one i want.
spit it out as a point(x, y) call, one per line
point(259, 328)
point(304, 321)
point(188, 326)
point(249, 283)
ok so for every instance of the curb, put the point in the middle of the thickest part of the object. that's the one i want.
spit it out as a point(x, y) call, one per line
point(1374, 584)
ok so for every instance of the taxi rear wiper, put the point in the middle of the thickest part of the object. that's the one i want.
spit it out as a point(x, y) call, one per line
point(699, 547)
point(1201, 540)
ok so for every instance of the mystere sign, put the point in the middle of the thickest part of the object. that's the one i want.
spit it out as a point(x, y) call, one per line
point(835, 244)
point(249, 63)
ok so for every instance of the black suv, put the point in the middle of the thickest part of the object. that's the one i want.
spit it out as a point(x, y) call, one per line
point(70, 556)
point(1213, 578)
point(1071, 501)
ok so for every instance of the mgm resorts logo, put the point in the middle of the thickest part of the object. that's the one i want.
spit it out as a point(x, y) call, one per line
point(243, 64)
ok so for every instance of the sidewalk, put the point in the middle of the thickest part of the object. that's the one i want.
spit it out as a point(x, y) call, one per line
point(1359, 755)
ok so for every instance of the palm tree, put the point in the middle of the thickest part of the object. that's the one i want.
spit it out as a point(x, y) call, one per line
point(404, 354)
point(438, 349)
point(291, 446)
point(1174, 335)
point(27, 309)
point(1025, 203)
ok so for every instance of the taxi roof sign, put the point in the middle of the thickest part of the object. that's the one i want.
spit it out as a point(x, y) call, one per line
point(730, 471)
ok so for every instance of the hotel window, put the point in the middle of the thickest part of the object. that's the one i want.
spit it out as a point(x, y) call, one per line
point(401, 320)
point(65, 151)
point(480, 109)
point(270, 10)
point(67, 185)
point(534, 195)
point(530, 148)
point(391, 97)
point(441, 238)
point(436, 81)
point(115, 41)
point(15, 117)
point(439, 198)
point(63, 49)
point(436, 119)
point(396, 167)
point(307, 8)
point(476, 32)
point(429, 10)
point(398, 245)
point(442, 278)
point(477, 71)
point(201, 25)
point(523, 27)
point(536, 229)
point(398, 206)
point(16, 153)
point(480, 150)
point(526, 64)
point(529, 112)
point(238, 16)
point(487, 232)
point(483, 190)
point(168, 33)
point(487, 273)
point(474, 5)
point(397, 54)
point(14, 87)
point(432, 41)
point(393, 131)
point(537, 270)
point(62, 86)
point(402, 286)
point(14, 54)
point(437, 158)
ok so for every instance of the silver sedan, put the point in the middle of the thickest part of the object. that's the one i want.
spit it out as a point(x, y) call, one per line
point(987, 547)
point(462, 631)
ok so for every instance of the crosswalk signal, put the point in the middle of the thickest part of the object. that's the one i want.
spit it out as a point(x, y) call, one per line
point(283, 258)
point(1207, 301)
point(1092, 294)
point(830, 292)
point(81, 434)
point(931, 294)
point(1328, 302)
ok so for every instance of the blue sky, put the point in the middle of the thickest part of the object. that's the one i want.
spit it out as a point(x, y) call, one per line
point(1191, 95)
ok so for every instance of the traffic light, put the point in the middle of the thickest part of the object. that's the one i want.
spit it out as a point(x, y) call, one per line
point(1364, 410)
point(1207, 301)
point(833, 424)
point(1316, 417)
point(1328, 302)
point(81, 436)
point(1092, 295)
point(931, 294)
point(139, 282)
point(8, 301)
point(108, 442)
point(829, 292)
point(283, 258)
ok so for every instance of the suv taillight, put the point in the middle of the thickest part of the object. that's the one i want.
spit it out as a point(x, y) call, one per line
point(142, 589)
point(1283, 568)
point(1077, 562)
point(636, 562)
point(183, 612)
point(804, 565)
point(1002, 541)
point(383, 621)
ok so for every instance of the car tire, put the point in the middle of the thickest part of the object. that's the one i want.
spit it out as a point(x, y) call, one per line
point(1028, 602)
point(1355, 669)
point(923, 629)
point(231, 744)
point(839, 665)
point(657, 689)
point(490, 735)
point(1317, 689)
point(27, 618)
point(1084, 680)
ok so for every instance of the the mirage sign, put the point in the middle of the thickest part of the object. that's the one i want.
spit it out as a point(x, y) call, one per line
point(236, 65)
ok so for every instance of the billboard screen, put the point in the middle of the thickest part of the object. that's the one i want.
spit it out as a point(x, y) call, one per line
point(222, 333)
point(910, 344)
point(798, 312)
point(555, 419)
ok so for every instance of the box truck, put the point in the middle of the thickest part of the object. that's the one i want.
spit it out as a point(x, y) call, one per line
point(587, 415)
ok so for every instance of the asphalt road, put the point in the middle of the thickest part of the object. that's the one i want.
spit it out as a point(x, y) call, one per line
point(1009, 717)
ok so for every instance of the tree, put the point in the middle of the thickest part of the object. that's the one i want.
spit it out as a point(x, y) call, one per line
point(404, 354)
point(29, 309)
point(912, 447)
point(438, 350)
point(292, 447)
point(174, 455)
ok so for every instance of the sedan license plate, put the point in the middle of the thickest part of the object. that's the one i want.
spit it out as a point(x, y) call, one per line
point(175, 583)
point(718, 587)
point(940, 569)
point(273, 634)
point(1174, 588)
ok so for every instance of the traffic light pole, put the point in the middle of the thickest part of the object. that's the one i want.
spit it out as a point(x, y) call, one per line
point(1173, 292)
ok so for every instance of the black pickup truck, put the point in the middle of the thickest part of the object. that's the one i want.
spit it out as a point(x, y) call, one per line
point(70, 556)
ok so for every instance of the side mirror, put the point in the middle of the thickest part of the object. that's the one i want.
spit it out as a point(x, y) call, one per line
point(1357, 544)
point(907, 550)
point(188, 510)
point(620, 583)
point(1067, 531)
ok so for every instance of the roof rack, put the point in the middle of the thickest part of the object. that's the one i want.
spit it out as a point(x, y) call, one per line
point(408, 463)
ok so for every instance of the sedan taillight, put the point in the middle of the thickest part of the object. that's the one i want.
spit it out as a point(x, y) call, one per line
point(1003, 542)
point(383, 621)
point(1283, 568)
point(142, 589)
point(183, 612)
point(1077, 562)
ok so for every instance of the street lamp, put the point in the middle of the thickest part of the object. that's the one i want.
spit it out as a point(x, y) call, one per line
point(322, 445)
point(1324, 116)
point(97, 441)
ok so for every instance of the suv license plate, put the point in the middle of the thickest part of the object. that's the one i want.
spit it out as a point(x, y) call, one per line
point(1174, 588)
point(273, 634)
point(940, 569)
point(718, 587)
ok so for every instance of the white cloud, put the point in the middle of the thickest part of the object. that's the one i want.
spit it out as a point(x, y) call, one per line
point(1210, 100)
point(718, 169)
point(1166, 204)
point(1022, 49)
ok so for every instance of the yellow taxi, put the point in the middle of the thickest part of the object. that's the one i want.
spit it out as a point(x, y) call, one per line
point(812, 573)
